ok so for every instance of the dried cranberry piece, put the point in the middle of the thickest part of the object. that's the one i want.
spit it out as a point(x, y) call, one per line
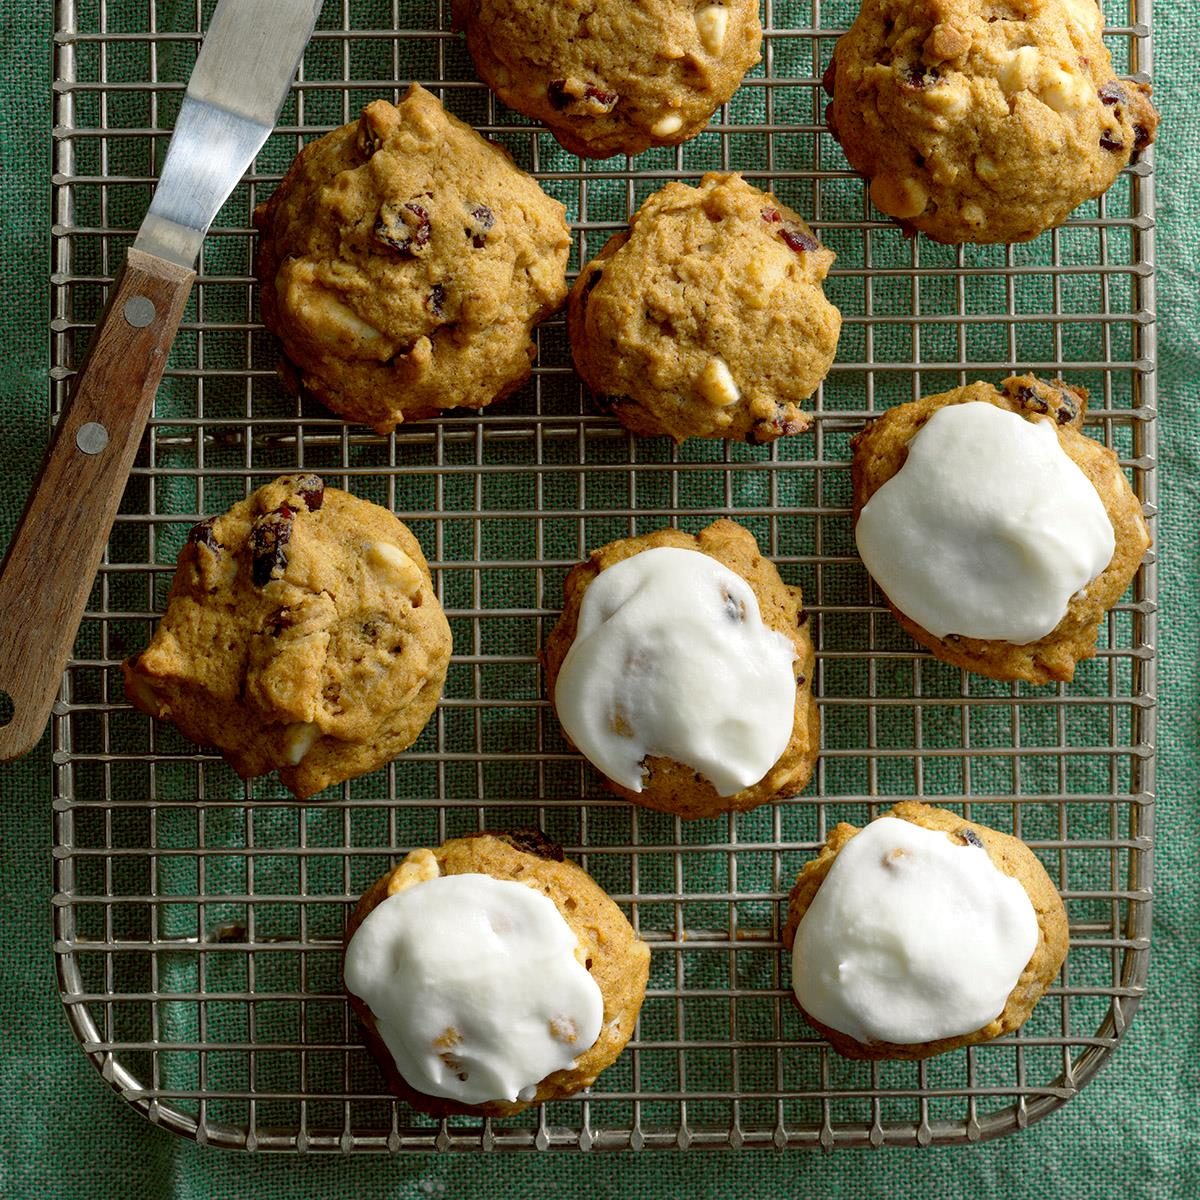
point(1111, 93)
point(802, 618)
point(1026, 397)
point(827, 80)
point(311, 489)
point(1110, 143)
point(606, 100)
point(1068, 410)
point(203, 535)
point(556, 91)
point(1141, 138)
point(771, 216)
point(269, 535)
point(918, 75)
point(437, 299)
point(482, 220)
point(404, 228)
point(797, 239)
point(970, 837)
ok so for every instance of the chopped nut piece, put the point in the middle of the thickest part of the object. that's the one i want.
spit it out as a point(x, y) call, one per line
point(712, 23)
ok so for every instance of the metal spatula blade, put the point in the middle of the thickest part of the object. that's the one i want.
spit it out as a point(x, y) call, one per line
point(241, 78)
point(240, 81)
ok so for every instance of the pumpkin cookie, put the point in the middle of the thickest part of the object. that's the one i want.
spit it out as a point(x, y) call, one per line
point(999, 534)
point(609, 77)
point(983, 120)
point(404, 263)
point(302, 634)
point(708, 318)
point(920, 933)
point(682, 669)
point(490, 974)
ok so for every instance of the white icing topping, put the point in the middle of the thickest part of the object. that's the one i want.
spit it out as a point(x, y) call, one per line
point(672, 659)
point(911, 937)
point(476, 987)
point(988, 529)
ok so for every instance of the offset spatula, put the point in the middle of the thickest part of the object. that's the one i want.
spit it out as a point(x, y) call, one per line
point(242, 75)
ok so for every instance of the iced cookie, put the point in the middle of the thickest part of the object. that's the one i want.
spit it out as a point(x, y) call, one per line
point(404, 262)
point(708, 318)
point(609, 77)
point(490, 974)
point(682, 668)
point(920, 933)
point(983, 120)
point(999, 534)
point(302, 635)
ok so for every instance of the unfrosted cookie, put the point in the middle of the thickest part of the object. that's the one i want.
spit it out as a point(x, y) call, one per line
point(490, 974)
point(404, 262)
point(920, 933)
point(682, 668)
point(983, 120)
point(708, 318)
point(609, 77)
point(1002, 534)
point(302, 635)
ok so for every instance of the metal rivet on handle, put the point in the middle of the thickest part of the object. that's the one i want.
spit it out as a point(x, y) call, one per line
point(91, 438)
point(138, 311)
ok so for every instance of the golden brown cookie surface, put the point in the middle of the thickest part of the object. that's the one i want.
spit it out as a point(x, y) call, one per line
point(404, 262)
point(616, 958)
point(302, 634)
point(671, 786)
point(708, 318)
point(609, 77)
point(880, 451)
point(983, 120)
point(1009, 855)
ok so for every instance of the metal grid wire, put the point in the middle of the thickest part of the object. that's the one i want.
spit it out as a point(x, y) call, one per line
point(198, 920)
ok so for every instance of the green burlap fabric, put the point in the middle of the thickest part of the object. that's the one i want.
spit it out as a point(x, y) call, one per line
point(1132, 1132)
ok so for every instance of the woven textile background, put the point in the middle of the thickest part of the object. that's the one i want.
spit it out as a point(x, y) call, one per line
point(1132, 1132)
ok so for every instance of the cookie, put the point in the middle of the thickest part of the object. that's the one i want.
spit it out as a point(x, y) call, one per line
point(708, 318)
point(490, 974)
point(302, 635)
point(682, 668)
point(983, 120)
point(999, 533)
point(609, 77)
point(404, 262)
point(920, 933)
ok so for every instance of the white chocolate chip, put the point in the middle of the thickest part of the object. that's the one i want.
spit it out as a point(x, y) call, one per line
point(973, 214)
point(665, 126)
point(950, 99)
point(986, 168)
point(899, 197)
point(1086, 14)
point(143, 695)
point(395, 567)
point(712, 23)
point(1063, 91)
point(717, 385)
point(1019, 70)
point(765, 271)
point(419, 866)
point(298, 740)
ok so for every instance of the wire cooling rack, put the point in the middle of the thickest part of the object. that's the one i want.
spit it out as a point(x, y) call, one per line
point(198, 920)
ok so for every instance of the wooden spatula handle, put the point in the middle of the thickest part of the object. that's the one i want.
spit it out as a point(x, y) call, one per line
point(54, 555)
